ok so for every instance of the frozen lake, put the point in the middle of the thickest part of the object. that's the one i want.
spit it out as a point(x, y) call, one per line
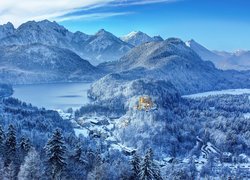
point(214, 93)
point(53, 96)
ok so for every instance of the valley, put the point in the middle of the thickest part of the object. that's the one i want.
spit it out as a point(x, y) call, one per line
point(108, 101)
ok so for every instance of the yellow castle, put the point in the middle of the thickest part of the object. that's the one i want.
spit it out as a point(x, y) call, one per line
point(145, 103)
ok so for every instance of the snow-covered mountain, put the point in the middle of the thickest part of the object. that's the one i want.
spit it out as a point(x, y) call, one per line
point(203, 52)
point(173, 61)
point(238, 60)
point(137, 38)
point(103, 46)
point(36, 63)
point(6, 30)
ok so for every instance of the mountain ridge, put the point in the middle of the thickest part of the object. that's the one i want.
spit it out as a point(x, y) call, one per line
point(53, 34)
point(137, 38)
point(38, 63)
point(238, 60)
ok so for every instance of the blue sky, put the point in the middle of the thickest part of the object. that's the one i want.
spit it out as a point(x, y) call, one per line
point(217, 24)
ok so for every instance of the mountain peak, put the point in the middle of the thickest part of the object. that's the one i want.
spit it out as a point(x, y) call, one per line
point(102, 32)
point(8, 25)
point(137, 38)
point(190, 42)
point(6, 30)
point(158, 38)
point(44, 24)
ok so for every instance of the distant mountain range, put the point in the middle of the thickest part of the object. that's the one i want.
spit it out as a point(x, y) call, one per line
point(103, 46)
point(44, 51)
point(47, 52)
point(239, 60)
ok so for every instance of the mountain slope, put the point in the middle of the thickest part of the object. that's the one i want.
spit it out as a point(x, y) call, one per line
point(204, 53)
point(239, 60)
point(137, 38)
point(97, 48)
point(171, 60)
point(36, 63)
point(105, 46)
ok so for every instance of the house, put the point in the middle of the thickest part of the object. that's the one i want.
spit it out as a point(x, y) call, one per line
point(208, 149)
point(227, 157)
point(243, 158)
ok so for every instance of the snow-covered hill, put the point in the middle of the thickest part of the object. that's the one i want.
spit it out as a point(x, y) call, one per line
point(137, 38)
point(238, 60)
point(116, 92)
point(173, 61)
point(36, 63)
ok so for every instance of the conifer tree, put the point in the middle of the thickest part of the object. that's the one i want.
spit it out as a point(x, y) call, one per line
point(31, 168)
point(10, 171)
point(24, 147)
point(24, 144)
point(10, 145)
point(78, 153)
point(135, 163)
point(2, 138)
point(56, 150)
point(149, 170)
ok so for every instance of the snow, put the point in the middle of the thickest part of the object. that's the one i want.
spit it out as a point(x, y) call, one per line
point(83, 132)
point(137, 38)
point(222, 92)
point(98, 48)
point(116, 147)
point(111, 138)
point(246, 115)
point(238, 60)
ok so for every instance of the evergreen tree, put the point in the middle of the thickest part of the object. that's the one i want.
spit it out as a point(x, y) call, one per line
point(24, 144)
point(10, 171)
point(32, 167)
point(135, 163)
point(10, 145)
point(192, 168)
point(1, 168)
point(76, 164)
point(78, 154)
point(2, 138)
point(24, 147)
point(56, 150)
point(149, 170)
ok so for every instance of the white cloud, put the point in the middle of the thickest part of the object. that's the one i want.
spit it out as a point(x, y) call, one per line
point(92, 16)
point(141, 2)
point(20, 11)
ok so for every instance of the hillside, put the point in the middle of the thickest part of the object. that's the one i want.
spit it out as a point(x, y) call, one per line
point(37, 63)
point(238, 60)
point(171, 60)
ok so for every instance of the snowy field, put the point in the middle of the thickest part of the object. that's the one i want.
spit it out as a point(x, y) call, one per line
point(222, 92)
